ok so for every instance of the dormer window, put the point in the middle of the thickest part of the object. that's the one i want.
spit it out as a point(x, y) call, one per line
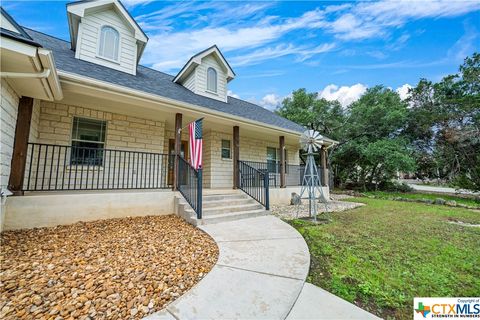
point(109, 43)
point(211, 80)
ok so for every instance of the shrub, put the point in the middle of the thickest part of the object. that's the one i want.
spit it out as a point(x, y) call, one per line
point(396, 187)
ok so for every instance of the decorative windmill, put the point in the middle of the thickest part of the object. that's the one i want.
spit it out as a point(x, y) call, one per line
point(311, 141)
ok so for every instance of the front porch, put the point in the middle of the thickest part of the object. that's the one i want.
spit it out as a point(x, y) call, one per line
point(89, 158)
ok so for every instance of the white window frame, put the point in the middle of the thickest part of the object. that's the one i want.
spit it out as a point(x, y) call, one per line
point(102, 143)
point(100, 54)
point(229, 149)
point(215, 90)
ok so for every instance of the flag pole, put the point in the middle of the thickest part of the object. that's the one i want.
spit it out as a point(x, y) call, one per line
point(180, 129)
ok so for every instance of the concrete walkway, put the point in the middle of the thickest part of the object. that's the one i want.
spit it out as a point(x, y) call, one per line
point(260, 274)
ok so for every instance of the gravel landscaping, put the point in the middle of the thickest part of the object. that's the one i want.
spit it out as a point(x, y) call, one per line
point(115, 269)
point(289, 212)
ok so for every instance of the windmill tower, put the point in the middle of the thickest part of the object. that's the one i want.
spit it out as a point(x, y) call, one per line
point(311, 141)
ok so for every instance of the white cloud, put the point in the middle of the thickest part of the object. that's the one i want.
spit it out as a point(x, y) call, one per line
point(168, 50)
point(345, 94)
point(270, 101)
point(133, 3)
point(260, 55)
point(403, 91)
point(232, 94)
point(374, 19)
point(249, 35)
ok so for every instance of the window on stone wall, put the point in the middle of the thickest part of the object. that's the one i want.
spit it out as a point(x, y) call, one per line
point(226, 149)
point(273, 159)
point(88, 141)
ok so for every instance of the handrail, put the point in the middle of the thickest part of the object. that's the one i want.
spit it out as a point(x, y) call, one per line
point(189, 184)
point(255, 183)
point(52, 167)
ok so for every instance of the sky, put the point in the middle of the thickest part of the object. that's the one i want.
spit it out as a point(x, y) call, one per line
point(335, 48)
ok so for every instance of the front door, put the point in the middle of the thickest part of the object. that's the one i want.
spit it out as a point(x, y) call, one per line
point(171, 151)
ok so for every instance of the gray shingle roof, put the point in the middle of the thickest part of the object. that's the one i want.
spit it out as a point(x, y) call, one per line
point(155, 82)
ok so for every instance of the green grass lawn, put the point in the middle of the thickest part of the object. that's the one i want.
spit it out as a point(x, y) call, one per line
point(384, 254)
point(418, 195)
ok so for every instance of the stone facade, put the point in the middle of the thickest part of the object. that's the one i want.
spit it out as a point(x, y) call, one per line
point(219, 172)
point(9, 111)
point(52, 167)
point(123, 132)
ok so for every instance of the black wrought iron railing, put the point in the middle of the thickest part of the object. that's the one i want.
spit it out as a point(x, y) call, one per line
point(255, 183)
point(293, 173)
point(189, 183)
point(58, 168)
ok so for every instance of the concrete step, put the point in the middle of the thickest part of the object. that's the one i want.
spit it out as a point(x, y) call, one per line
point(224, 217)
point(208, 203)
point(226, 202)
point(228, 209)
point(215, 197)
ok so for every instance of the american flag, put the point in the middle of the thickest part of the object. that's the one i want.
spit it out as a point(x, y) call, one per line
point(195, 131)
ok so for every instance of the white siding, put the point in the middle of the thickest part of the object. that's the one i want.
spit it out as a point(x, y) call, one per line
point(8, 115)
point(201, 79)
point(89, 36)
point(5, 24)
point(189, 82)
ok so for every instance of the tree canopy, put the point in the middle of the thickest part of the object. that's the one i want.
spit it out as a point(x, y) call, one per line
point(435, 133)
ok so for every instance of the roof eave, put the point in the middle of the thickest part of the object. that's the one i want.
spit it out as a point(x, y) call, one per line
point(154, 97)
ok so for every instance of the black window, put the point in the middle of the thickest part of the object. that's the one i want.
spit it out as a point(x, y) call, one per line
point(226, 153)
point(88, 141)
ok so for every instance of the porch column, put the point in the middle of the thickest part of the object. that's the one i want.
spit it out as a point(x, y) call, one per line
point(282, 162)
point(236, 156)
point(178, 141)
point(323, 159)
point(20, 144)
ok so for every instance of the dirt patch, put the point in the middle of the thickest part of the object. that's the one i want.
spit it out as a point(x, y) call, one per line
point(115, 269)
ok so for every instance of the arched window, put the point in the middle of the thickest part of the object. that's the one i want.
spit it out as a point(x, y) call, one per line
point(211, 80)
point(109, 42)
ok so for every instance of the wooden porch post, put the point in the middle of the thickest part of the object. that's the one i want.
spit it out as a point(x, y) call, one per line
point(20, 145)
point(178, 141)
point(323, 157)
point(282, 162)
point(236, 156)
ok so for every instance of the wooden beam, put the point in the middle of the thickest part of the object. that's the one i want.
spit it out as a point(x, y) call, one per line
point(282, 162)
point(323, 157)
point(178, 142)
point(236, 156)
point(20, 145)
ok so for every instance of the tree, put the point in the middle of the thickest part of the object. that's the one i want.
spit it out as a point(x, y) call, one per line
point(371, 150)
point(444, 125)
point(313, 113)
point(434, 133)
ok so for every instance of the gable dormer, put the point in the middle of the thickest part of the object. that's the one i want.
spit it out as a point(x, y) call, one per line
point(207, 73)
point(103, 32)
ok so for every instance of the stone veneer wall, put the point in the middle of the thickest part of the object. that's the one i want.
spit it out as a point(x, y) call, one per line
point(220, 171)
point(123, 131)
point(8, 116)
point(119, 169)
point(8, 119)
